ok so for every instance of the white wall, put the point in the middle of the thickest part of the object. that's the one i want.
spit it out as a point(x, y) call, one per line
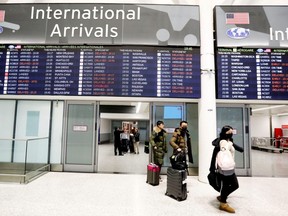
point(260, 126)
point(105, 126)
point(7, 114)
point(283, 120)
point(56, 133)
point(37, 151)
point(278, 121)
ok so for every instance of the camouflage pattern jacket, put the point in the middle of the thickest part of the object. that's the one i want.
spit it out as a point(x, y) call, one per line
point(158, 139)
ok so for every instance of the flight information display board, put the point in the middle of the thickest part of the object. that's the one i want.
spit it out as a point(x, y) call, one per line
point(75, 70)
point(244, 73)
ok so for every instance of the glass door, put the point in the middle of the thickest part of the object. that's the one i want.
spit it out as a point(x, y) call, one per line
point(80, 138)
point(237, 117)
point(171, 115)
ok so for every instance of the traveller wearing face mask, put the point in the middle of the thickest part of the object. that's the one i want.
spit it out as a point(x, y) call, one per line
point(178, 141)
point(229, 183)
point(181, 141)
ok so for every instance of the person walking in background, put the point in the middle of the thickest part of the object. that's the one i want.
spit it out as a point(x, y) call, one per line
point(131, 141)
point(125, 138)
point(158, 143)
point(229, 182)
point(117, 141)
point(136, 141)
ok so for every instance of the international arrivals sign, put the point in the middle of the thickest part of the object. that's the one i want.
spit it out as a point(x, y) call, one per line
point(95, 13)
point(100, 24)
point(251, 26)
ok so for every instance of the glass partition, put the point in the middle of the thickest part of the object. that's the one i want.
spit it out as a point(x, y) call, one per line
point(238, 117)
point(32, 160)
point(172, 114)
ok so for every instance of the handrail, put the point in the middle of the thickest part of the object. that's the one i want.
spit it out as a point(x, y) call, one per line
point(42, 143)
point(26, 150)
point(22, 139)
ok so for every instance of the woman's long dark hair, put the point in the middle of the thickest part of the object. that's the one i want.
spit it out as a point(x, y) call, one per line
point(224, 130)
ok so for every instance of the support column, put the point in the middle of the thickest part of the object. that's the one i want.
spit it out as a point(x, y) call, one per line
point(207, 103)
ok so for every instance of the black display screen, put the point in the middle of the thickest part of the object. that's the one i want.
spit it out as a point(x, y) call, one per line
point(244, 73)
point(133, 71)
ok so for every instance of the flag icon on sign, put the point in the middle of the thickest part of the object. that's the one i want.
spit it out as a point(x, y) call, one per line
point(2, 15)
point(237, 18)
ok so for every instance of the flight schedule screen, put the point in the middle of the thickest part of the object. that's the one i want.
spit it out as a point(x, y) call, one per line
point(246, 73)
point(133, 71)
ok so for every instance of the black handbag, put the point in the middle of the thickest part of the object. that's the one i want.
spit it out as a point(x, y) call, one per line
point(178, 160)
point(214, 180)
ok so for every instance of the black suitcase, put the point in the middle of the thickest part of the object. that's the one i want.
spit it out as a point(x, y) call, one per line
point(176, 184)
point(146, 147)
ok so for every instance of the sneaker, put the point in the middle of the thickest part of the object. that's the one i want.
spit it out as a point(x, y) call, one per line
point(226, 207)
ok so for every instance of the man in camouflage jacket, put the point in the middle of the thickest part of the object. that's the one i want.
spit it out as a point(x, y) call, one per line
point(158, 142)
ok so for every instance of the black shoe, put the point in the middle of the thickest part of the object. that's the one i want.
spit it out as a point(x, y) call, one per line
point(121, 154)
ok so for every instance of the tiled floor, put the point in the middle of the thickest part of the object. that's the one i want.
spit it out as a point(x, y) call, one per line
point(269, 164)
point(77, 194)
point(128, 194)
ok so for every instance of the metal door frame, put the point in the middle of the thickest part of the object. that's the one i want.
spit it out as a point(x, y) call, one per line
point(79, 167)
point(246, 171)
point(153, 121)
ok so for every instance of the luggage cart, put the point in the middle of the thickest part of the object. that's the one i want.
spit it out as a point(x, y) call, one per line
point(264, 144)
point(284, 143)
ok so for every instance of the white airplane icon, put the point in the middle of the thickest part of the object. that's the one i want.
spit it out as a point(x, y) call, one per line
point(10, 25)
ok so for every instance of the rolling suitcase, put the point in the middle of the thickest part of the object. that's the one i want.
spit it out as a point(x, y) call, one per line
point(153, 174)
point(146, 147)
point(176, 184)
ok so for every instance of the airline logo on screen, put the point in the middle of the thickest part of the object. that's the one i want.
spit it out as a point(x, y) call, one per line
point(4, 24)
point(238, 33)
point(241, 18)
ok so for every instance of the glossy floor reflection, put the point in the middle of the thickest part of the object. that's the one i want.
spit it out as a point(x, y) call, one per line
point(77, 194)
point(129, 163)
point(264, 164)
point(269, 164)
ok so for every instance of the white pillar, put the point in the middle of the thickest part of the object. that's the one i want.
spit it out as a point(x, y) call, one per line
point(207, 103)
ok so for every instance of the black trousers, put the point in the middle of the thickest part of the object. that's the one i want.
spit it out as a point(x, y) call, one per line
point(124, 145)
point(228, 185)
point(117, 145)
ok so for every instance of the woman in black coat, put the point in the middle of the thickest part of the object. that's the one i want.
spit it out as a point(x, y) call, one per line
point(229, 183)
